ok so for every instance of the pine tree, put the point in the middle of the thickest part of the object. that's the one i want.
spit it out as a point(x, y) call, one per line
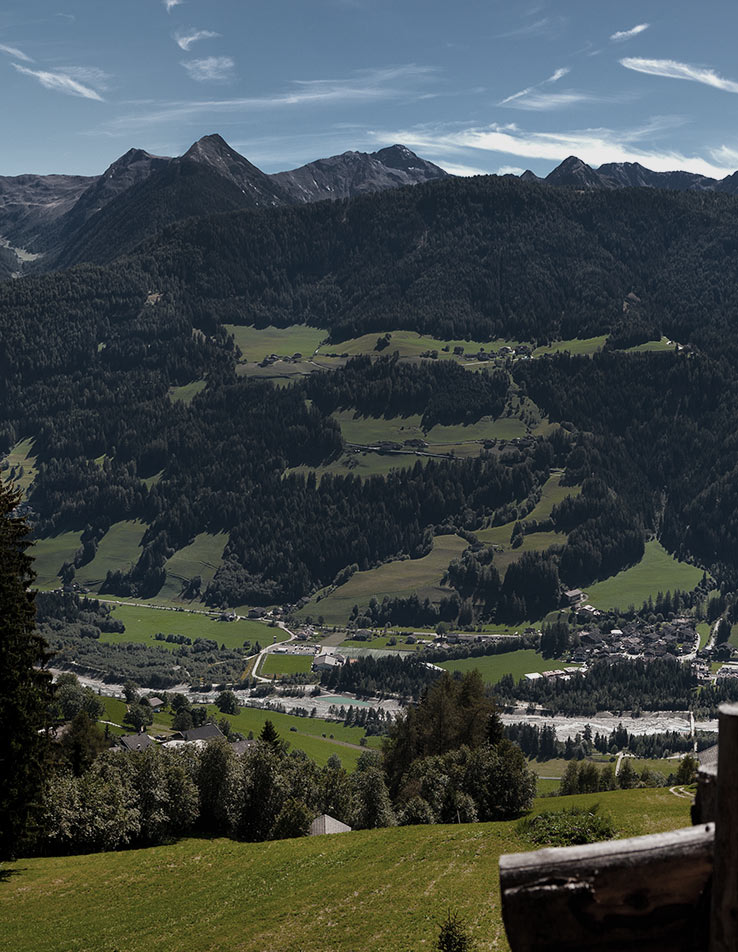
point(25, 691)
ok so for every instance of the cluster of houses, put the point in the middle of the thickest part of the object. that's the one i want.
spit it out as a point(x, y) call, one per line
point(562, 674)
point(519, 350)
point(670, 638)
point(196, 735)
point(273, 358)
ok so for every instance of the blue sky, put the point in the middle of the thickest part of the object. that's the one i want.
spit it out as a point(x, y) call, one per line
point(476, 86)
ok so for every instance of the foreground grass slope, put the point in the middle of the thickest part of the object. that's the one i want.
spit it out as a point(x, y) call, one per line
point(370, 891)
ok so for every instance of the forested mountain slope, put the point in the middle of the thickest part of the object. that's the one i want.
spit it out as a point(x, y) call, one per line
point(91, 356)
point(483, 257)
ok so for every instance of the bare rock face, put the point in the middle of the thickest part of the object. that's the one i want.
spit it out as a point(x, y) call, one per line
point(259, 189)
point(357, 173)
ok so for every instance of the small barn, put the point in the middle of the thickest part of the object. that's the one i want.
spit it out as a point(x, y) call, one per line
point(327, 824)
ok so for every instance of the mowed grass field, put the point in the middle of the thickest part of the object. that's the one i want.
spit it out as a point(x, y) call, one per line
point(50, 554)
point(585, 347)
point(557, 766)
point(658, 571)
point(258, 343)
point(517, 663)
point(142, 623)
point(703, 629)
point(275, 665)
point(362, 463)
point(367, 431)
point(366, 891)
point(412, 344)
point(552, 493)
point(403, 577)
point(652, 347)
point(21, 457)
point(201, 557)
point(118, 551)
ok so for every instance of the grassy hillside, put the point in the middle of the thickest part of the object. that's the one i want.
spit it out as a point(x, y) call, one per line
point(202, 557)
point(412, 344)
point(50, 554)
point(319, 738)
point(21, 468)
point(393, 578)
point(370, 891)
point(363, 463)
point(119, 550)
point(658, 571)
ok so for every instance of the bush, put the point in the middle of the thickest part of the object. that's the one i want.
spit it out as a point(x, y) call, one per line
point(570, 827)
point(453, 936)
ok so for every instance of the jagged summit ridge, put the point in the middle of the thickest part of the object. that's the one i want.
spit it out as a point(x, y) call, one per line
point(575, 172)
point(356, 173)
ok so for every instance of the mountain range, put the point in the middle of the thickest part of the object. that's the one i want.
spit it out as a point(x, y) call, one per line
point(66, 219)
point(575, 172)
point(48, 222)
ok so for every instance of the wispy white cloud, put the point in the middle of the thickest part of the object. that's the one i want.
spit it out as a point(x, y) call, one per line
point(369, 85)
point(211, 69)
point(170, 4)
point(671, 69)
point(725, 155)
point(594, 146)
point(62, 81)
point(184, 40)
point(536, 98)
point(554, 78)
point(622, 35)
point(543, 102)
point(530, 29)
point(89, 75)
point(15, 52)
point(462, 170)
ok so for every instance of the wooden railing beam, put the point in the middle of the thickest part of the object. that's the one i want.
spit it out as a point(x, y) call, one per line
point(724, 906)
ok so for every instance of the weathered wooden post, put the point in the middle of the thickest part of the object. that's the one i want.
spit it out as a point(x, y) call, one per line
point(724, 905)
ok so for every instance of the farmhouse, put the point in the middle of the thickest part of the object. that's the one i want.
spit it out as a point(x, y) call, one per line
point(327, 662)
point(135, 741)
point(575, 596)
point(206, 732)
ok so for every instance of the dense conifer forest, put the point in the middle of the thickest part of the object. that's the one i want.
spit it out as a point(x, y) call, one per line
point(91, 354)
